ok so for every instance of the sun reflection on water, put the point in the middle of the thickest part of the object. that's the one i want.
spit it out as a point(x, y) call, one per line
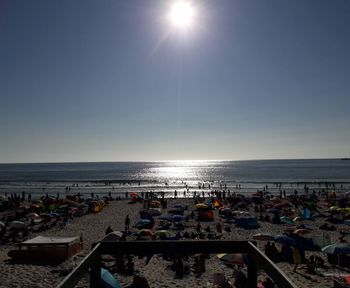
point(181, 170)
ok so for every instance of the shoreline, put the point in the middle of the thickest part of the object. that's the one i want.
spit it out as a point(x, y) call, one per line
point(85, 188)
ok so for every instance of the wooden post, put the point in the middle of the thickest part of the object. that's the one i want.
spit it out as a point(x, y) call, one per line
point(252, 272)
point(95, 273)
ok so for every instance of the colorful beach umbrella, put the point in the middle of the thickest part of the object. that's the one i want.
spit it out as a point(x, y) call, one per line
point(155, 204)
point(145, 233)
point(202, 206)
point(336, 249)
point(162, 234)
point(234, 258)
point(108, 280)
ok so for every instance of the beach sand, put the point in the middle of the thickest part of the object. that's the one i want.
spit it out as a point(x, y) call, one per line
point(157, 272)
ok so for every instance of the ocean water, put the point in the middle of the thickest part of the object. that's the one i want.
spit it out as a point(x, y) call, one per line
point(120, 177)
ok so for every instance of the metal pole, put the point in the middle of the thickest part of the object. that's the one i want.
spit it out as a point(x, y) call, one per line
point(95, 273)
point(252, 272)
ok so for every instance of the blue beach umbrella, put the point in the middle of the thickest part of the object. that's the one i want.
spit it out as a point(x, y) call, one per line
point(166, 217)
point(178, 218)
point(336, 249)
point(283, 239)
point(142, 223)
point(108, 280)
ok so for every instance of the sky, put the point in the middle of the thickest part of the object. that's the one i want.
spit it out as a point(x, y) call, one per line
point(115, 81)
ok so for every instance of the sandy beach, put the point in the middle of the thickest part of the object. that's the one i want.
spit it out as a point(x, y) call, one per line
point(92, 227)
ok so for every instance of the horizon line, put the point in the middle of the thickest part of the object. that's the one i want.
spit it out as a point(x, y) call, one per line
point(164, 161)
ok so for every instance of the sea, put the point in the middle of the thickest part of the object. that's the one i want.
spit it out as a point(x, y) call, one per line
point(186, 177)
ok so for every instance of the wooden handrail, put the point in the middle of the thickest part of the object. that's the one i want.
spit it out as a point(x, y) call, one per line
point(270, 268)
point(257, 260)
point(91, 260)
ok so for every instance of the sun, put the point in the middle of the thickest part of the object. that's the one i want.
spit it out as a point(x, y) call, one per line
point(182, 14)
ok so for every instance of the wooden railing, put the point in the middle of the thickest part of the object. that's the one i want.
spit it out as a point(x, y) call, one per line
point(256, 259)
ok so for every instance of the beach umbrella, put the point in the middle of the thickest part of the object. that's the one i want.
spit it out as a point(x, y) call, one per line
point(336, 249)
point(35, 206)
point(178, 218)
point(263, 236)
point(55, 214)
point(161, 234)
point(286, 220)
point(154, 211)
point(225, 212)
point(241, 213)
point(32, 215)
point(145, 233)
point(108, 280)
point(290, 229)
point(283, 239)
point(166, 217)
point(334, 209)
point(155, 204)
point(113, 236)
point(176, 211)
point(17, 224)
point(301, 231)
point(234, 258)
point(202, 206)
point(282, 205)
point(305, 226)
point(142, 223)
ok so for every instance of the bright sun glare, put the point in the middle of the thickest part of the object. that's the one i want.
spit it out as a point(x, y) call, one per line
point(181, 14)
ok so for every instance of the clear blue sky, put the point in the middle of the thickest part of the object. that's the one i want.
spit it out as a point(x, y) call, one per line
point(112, 80)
